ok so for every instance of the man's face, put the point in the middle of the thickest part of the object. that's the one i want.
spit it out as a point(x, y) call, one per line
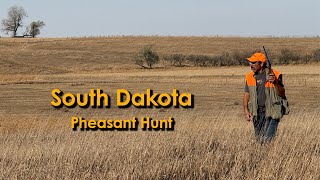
point(256, 66)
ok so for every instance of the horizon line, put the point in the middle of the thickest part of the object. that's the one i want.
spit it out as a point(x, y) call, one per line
point(217, 36)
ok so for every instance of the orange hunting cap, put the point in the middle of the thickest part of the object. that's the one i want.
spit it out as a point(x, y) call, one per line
point(257, 57)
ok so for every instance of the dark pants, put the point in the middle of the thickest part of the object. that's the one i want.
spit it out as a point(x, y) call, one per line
point(265, 128)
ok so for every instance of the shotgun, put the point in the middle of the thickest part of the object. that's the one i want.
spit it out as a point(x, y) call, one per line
point(268, 60)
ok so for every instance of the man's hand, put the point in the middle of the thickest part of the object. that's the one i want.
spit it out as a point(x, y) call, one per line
point(279, 87)
point(245, 106)
point(272, 78)
point(248, 115)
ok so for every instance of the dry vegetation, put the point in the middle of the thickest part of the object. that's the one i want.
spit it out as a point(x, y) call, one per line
point(211, 140)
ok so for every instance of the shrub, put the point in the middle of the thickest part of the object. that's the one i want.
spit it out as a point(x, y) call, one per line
point(200, 60)
point(287, 56)
point(175, 59)
point(147, 57)
point(237, 58)
point(225, 59)
point(305, 59)
point(316, 54)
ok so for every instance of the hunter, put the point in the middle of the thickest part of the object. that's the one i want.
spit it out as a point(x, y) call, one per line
point(263, 98)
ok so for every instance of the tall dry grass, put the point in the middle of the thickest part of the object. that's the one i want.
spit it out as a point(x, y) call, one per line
point(203, 145)
point(211, 141)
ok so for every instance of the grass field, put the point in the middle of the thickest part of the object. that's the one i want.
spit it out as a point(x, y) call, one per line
point(210, 141)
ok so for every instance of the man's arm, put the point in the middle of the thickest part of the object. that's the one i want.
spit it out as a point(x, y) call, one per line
point(279, 89)
point(245, 106)
point(278, 85)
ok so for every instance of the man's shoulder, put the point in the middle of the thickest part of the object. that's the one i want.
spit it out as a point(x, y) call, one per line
point(251, 73)
point(276, 71)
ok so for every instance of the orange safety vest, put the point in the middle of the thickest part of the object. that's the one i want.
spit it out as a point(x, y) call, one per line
point(251, 81)
point(276, 106)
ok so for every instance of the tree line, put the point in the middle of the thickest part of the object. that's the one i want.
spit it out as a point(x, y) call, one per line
point(14, 22)
point(147, 57)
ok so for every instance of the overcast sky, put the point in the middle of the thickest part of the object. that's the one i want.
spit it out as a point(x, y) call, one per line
point(68, 18)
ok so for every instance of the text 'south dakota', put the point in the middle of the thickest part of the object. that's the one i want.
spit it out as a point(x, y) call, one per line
point(96, 98)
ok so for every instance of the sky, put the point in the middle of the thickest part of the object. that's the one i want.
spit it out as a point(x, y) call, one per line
point(75, 18)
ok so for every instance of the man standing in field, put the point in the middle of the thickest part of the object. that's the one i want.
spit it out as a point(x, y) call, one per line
point(263, 98)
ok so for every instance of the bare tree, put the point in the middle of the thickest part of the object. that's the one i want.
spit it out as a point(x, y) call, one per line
point(16, 15)
point(34, 28)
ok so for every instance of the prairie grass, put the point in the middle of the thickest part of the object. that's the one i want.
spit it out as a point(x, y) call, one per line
point(219, 146)
point(210, 141)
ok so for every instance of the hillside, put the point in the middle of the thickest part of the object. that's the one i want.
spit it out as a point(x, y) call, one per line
point(42, 56)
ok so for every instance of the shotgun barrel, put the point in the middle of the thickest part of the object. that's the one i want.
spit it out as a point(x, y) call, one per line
point(268, 60)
